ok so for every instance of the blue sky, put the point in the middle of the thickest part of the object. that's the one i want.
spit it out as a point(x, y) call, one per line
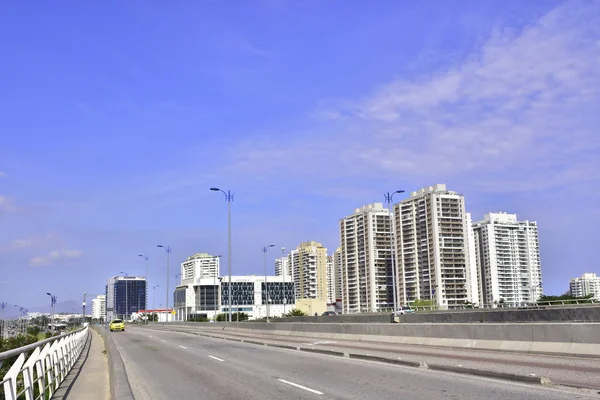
point(118, 116)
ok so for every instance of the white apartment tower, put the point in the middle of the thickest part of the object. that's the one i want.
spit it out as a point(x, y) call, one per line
point(586, 285)
point(508, 260)
point(199, 266)
point(281, 265)
point(99, 307)
point(331, 280)
point(365, 258)
point(308, 264)
point(432, 248)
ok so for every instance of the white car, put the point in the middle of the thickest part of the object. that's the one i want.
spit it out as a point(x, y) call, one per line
point(404, 310)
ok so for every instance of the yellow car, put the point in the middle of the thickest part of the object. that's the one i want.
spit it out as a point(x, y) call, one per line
point(117, 325)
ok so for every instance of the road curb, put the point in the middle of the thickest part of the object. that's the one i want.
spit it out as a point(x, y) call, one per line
point(321, 351)
point(120, 389)
point(536, 380)
point(387, 360)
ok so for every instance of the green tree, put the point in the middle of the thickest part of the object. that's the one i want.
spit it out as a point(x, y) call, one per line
point(294, 312)
point(423, 303)
point(240, 316)
point(222, 317)
point(197, 318)
point(33, 330)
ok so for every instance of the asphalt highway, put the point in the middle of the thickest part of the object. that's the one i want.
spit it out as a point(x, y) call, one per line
point(172, 365)
point(568, 371)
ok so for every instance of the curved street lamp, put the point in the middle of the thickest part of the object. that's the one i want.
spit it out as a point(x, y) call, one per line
point(389, 197)
point(264, 250)
point(228, 199)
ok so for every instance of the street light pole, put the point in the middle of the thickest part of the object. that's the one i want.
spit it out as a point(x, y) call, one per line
point(168, 250)
point(389, 197)
point(264, 250)
point(215, 294)
point(154, 297)
point(53, 303)
point(83, 311)
point(229, 199)
point(283, 268)
point(126, 295)
point(145, 276)
point(2, 307)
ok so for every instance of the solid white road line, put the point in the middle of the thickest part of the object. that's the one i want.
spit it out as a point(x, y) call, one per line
point(215, 358)
point(300, 386)
point(183, 347)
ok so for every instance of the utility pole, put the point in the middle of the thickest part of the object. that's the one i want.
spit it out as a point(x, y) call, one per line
point(83, 311)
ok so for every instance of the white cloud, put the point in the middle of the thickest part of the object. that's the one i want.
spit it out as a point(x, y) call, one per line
point(55, 256)
point(7, 205)
point(522, 107)
point(36, 241)
point(3, 174)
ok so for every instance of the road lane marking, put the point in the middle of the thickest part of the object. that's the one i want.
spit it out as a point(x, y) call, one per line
point(149, 336)
point(300, 386)
point(183, 347)
point(215, 358)
point(164, 341)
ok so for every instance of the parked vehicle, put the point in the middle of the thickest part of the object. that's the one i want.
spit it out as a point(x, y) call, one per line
point(330, 313)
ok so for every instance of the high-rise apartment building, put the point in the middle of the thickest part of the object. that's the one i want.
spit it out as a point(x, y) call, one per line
point(99, 307)
point(588, 284)
point(337, 264)
point(365, 258)
point(432, 248)
point(331, 280)
point(508, 260)
point(282, 265)
point(199, 266)
point(308, 264)
point(125, 295)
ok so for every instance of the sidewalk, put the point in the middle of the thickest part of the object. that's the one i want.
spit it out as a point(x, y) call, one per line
point(89, 377)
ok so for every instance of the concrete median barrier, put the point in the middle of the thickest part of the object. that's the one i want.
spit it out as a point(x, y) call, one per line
point(579, 339)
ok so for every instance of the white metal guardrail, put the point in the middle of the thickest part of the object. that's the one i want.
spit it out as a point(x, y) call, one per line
point(40, 375)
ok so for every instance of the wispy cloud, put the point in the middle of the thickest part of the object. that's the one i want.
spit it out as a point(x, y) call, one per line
point(33, 242)
point(523, 106)
point(3, 174)
point(7, 205)
point(55, 256)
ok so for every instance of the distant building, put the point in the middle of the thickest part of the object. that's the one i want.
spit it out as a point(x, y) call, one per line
point(198, 290)
point(308, 264)
point(585, 285)
point(283, 267)
point(508, 260)
point(199, 266)
point(432, 248)
point(249, 295)
point(99, 307)
point(365, 260)
point(331, 280)
point(337, 264)
point(125, 295)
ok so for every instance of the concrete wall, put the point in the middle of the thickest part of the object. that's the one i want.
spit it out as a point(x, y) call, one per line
point(587, 313)
point(590, 313)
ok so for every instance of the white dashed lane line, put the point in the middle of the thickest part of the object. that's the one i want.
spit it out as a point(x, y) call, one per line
point(215, 358)
point(300, 386)
point(183, 347)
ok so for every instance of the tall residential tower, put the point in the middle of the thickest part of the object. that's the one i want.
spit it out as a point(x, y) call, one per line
point(508, 259)
point(365, 260)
